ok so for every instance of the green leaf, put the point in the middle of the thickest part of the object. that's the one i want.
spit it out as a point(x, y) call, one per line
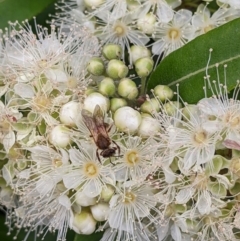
point(187, 65)
point(93, 237)
point(12, 10)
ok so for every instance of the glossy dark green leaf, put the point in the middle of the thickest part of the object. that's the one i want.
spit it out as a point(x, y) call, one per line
point(93, 237)
point(12, 10)
point(187, 65)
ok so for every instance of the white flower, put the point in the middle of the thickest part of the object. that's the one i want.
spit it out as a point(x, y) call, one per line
point(130, 206)
point(232, 3)
point(45, 171)
point(163, 10)
point(137, 161)
point(86, 174)
point(174, 34)
point(195, 144)
point(203, 22)
point(27, 53)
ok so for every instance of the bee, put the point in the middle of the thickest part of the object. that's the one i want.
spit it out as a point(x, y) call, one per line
point(99, 131)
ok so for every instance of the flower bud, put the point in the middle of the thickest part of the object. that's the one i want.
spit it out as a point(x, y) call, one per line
point(84, 223)
point(83, 200)
point(96, 66)
point(137, 52)
point(148, 127)
point(116, 69)
point(92, 4)
point(60, 136)
point(127, 89)
point(69, 113)
point(132, 4)
point(96, 99)
point(100, 211)
point(107, 193)
point(112, 51)
point(116, 103)
point(147, 23)
point(150, 106)
point(144, 66)
point(127, 119)
point(188, 110)
point(171, 107)
point(163, 92)
point(107, 87)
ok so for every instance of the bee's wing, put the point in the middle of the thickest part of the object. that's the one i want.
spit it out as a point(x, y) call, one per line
point(99, 121)
point(89, 121)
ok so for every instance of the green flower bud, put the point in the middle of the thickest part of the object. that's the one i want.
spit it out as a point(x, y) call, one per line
point(89, 91)
point(171, 107)
point(116, 103)
point(137, 52)
point(112, 51)
point(132, 4)
point(107, 193)
point(187, 111)
point(150, 106)
point(107, 87)
point(235, 166)
point(127, 89)
point(127, 119)
point(116, 69)
point(96, 66)
point(144, 66)
point(84, 223)
point(147, 23)
point(92, 4)
point(163, 92)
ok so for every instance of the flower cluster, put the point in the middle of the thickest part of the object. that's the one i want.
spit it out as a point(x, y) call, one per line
point(82, 145)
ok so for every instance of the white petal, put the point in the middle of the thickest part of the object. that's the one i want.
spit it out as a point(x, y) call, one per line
point(204, 203)
point(176, 233)
point(24, 90)
point(8, 140)
point(182, 17)
point(65, 201)
point(184, 195)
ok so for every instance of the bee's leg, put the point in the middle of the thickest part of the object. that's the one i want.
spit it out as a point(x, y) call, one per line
point(108, 127)
point(111, 161)
point(117, 147)
point(98, 157)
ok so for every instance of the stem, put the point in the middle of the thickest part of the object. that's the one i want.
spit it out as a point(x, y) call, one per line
point(143, 86)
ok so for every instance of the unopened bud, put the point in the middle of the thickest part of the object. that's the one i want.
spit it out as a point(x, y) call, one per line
point(147, 23)
point(127, 89)
point(107, 193)
point(107, 87)
point(149, 127)
point(112, 51)
point(163, 92)
point(92, 4)
point(100, 211)
point(171, 107)
point(60, 136)
point(84, 223)
point(127, 119)
point(132, 4)
point(83, 200)
point(137, 52)
point(116, 69)
point(144, 66)
point(96, 99)
point(150, 106)
point(188, 110)
point(116, 103)
point(96, 66)
point(69, 112)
